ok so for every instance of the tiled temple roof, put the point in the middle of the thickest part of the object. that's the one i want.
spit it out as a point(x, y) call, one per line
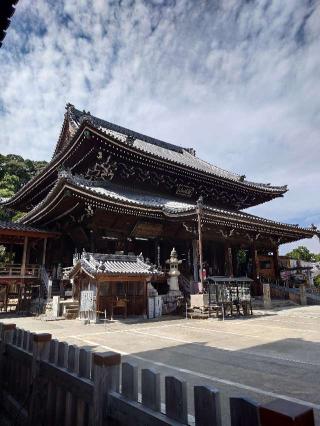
point(164, 150)
point(96, 264)
point(175, 159)
point(17, 228)
point(160, 205)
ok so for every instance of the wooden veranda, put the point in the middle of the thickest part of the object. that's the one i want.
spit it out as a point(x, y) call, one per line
point(20, 279)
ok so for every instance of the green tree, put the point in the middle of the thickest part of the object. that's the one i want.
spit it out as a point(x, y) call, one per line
point(15, 172)
point(303, 253)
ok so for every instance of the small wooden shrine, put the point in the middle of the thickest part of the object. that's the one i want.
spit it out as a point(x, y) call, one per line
point(110, 189)
point(107, 285)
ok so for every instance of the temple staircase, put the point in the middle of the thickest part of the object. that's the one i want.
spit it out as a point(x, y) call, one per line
point(55, 287)
point(186, 286)
point(71, 310)
point(50, 287)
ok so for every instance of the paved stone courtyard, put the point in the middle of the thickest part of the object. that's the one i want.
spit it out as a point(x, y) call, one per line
point(272, 354)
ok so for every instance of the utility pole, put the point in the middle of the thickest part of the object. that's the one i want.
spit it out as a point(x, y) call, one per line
point(199, 214)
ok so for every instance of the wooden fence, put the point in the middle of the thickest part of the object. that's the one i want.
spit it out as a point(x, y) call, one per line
point(46, 382)
point(30, 271)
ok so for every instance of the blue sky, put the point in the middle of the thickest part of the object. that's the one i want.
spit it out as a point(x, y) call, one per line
point(237, 80)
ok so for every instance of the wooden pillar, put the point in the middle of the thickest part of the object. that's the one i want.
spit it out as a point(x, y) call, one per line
point(199, 214)
point(145, 313)
point(276, 263)
point(106, 378)
point(24, 256)
point(228, 261)
point(10, 254)
point(41, 349)
point(28, 254)
point(195, 260)
point(44, 251)
point(255, 263)
point(92, 248)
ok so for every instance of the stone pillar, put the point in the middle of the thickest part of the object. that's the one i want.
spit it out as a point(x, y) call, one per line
point(303, 295)
point(266, 296)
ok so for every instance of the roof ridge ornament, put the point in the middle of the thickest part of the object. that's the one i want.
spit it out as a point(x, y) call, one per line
point(191, 151)
point(64, 172)
point(86, 117)
point(130, 140)
point(69, 107)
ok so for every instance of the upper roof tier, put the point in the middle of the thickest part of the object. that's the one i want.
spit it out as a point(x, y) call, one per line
point(101, 150)
point(158, 148)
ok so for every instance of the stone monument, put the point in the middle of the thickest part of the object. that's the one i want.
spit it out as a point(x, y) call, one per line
point(173, 280)
point(170, 300)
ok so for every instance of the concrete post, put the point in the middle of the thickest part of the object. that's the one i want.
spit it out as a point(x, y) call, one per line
point(56, 306)
point(303, 295)
point(266, 296)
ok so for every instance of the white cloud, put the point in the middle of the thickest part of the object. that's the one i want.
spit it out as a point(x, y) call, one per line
point(239, 81)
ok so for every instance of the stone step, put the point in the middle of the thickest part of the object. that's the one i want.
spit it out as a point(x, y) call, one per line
point(71, 315)
point(276, 303)
point(72, 311)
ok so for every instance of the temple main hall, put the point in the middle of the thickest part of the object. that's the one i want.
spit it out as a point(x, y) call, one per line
point(114, 191)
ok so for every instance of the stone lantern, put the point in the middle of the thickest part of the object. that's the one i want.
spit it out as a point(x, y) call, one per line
point(173, 280)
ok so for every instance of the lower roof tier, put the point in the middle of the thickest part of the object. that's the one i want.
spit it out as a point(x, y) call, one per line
point(77, 198)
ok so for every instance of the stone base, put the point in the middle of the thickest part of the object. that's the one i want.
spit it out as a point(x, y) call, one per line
point(170, 301)
point(267, 304)
point(199, 300)
point(174, 293)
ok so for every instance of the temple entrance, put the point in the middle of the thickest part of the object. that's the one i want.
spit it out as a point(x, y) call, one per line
point(122, 298)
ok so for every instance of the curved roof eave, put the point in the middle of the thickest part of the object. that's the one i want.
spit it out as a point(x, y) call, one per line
point(154, 208)
point(87, 124)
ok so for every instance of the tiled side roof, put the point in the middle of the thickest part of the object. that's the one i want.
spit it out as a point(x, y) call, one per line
point(17, 226)
point(110, 264)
